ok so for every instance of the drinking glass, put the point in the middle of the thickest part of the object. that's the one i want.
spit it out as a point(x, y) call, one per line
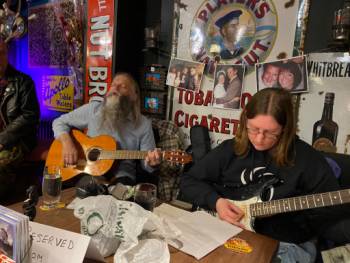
point(146, 195)
point(51, 187)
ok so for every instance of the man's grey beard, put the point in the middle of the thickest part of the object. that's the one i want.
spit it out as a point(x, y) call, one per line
point(116, 111)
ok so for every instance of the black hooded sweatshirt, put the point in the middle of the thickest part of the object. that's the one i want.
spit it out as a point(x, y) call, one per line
point(221, 173)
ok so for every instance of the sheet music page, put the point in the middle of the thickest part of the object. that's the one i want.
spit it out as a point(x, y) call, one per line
point(201, 232)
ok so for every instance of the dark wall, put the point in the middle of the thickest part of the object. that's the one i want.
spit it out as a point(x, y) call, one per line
point(130, 23)
point(319, 29)
point(160, 14)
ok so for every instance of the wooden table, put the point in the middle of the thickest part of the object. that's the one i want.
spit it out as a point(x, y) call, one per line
point(263, 247)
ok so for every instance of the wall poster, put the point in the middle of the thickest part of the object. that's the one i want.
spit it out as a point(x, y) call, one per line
point(55, 53)
point(324, 112)
point(99, 44)
point(227, 32)
point(58, 92)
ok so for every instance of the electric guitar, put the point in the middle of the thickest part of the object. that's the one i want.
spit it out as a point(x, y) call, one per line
point(96, 155)
point(254, 207)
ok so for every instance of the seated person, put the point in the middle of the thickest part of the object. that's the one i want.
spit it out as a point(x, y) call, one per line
point(119, 116)
point(266, 149)
point(19, 117)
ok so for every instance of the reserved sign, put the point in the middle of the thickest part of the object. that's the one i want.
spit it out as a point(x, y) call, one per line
point(51, 244)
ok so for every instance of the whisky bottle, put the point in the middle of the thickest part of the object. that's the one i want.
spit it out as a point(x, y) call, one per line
point(325, 131)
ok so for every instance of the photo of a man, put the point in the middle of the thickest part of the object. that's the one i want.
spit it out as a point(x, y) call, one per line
point(228, 86)
point(228, 28)
point(269, 76)
point(289, 74)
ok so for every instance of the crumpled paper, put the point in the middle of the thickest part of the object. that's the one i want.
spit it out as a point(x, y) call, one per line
point(126, 229)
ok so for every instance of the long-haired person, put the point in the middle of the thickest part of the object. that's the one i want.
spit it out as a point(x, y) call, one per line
point(289, 77)
point(117, 115)
point(267, 157)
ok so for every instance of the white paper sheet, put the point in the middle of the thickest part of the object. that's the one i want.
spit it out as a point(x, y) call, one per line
point(201, 232)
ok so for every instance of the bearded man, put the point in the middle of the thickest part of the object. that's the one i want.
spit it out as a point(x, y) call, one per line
point(119, 116)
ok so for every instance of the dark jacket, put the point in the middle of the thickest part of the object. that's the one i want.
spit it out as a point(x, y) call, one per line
point(221, 173)
point(19, 110)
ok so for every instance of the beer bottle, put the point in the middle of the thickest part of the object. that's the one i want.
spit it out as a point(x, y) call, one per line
point(325, 131)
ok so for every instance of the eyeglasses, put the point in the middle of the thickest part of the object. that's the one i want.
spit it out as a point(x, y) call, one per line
point(266, 134)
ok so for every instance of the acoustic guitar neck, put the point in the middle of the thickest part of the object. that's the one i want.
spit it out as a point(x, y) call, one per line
point(122, 155)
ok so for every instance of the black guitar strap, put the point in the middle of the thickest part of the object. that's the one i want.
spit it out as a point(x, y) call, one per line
point(244, 192)
point(200, 142)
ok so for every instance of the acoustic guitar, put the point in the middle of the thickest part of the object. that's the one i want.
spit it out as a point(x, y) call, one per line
point(96, 155)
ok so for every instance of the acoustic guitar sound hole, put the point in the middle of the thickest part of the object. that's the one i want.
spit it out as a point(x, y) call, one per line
point(93, 155)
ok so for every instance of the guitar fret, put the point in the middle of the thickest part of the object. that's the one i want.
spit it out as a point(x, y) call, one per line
point(274, 206)
point(322, 200)
point(260, 210)
point(279, 205)
point(285, 207)
point(292, 201)
point(341, 200)
point(256, 207)
point(318, 200)
point(271, 207)
point(330, 197)
point(309, 201)
point(328, 200)
point(303, 202)
point(300, 203)
point(288, 204)
point(295, 206)
point(252, 210)
point(267, 208)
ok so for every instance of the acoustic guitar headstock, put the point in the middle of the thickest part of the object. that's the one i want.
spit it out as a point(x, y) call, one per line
point(177, 157)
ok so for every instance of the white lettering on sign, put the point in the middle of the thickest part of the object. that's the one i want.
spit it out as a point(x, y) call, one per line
point(101, 5)
point(100, 38)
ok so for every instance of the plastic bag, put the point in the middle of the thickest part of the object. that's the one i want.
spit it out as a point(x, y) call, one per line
point(126, 229)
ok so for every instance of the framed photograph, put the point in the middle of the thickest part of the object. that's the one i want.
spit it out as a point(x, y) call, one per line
point(185, 74)
point(154, 78)
point(154, 103)
point(228, 85)
point(8, 238)
point(289, 74)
